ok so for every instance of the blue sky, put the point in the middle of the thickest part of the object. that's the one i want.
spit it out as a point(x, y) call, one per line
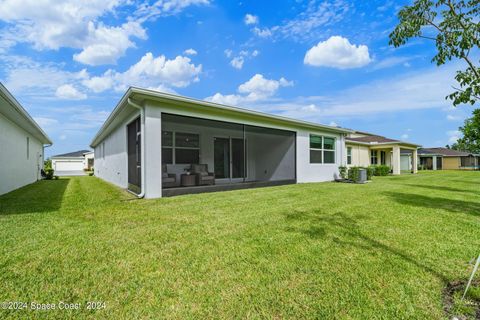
point(69, 62)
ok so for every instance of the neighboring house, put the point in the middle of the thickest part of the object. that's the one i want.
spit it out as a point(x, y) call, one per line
point(89, 160)
point(447, 159)
point(73, 161)
point(156, 144)
point(22, 144)
point(365, 149)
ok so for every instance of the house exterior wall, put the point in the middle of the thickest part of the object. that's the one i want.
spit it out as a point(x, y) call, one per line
point(451, 163)
point(111, 153)
point(360, 155)
point(67, 164)
point(17, 169)
point(86, 158)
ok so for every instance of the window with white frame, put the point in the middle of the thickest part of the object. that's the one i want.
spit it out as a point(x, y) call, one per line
point(349, 155)
point(180, 148)
point(322, 149)
point(373, 157)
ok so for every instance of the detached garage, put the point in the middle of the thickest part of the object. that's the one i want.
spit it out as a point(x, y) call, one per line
point(73, 161)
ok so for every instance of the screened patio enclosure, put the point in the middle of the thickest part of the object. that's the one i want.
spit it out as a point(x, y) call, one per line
point(206, 153)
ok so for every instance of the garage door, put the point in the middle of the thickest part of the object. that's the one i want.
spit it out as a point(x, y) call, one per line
point(405, 162)
point(68, 165)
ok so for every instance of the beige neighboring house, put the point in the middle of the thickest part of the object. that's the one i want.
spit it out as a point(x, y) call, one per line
point(448, 159)
point(365, 149)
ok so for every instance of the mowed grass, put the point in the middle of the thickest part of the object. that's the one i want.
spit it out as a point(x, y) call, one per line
point(324, 250)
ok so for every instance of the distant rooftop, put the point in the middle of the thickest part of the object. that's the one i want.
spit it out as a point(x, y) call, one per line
point(444, 152)
point(373, 138)
point(78, 153)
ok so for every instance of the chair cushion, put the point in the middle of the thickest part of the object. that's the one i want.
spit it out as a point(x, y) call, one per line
point(208, 178)
point(164, 175)
point(168, 179)
point(199, 168)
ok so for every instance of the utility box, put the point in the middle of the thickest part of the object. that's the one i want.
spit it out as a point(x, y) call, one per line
point(362, 176)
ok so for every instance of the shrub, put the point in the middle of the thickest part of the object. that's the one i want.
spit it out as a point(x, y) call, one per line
point(49, 173)
point(382, 170)
point(370, 172)
point(343, 172)
point(47, 164)
point(354, 174)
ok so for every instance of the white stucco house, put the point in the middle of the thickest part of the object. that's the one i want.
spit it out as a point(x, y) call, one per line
point(73, 161)
point(22, 143)
point(157, 144)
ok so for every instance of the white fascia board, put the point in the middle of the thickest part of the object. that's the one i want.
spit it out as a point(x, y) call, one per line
point(145, 94)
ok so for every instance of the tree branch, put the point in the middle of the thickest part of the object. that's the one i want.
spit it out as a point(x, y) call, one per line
point(461, 90)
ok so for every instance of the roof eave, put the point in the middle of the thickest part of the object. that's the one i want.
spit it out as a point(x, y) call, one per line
point(155, 95)
point(370, 144)
point(44, 138)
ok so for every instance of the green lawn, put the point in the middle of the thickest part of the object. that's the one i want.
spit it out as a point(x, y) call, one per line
point(382, 250)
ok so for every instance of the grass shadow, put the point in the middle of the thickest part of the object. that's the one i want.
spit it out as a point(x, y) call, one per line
point(41, 196)
point(442, 188)
point(452, 205)
point(345, 231)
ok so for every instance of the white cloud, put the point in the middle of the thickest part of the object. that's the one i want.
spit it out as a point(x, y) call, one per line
point(250, 19)
point(237, 62)
point(50, 24)
point(312, 23)
point(392, 62)
point(451, 117)
point(262, 33)
point(333, 124)
point(404, 136)
point(190, 52)
point(29, 78)
point(337, 52)
point(149, 72)
point(415, 90)
point(453, 136)
point(63, 137)
point(165, 8)
point(258, 88)
point(45, 122)
point(77, 24)
point(310, 108)
point(104, 45)
point(69, 92)
point(99, 84)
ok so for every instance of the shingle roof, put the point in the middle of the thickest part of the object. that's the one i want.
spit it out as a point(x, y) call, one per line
point(78, 153)
point(444, 152)
point(372, 138)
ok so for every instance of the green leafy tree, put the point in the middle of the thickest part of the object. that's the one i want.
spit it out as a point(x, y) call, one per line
point(454, 28)
point(471, 134)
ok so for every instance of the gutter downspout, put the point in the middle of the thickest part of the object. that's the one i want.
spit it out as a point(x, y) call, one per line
point(142, 144)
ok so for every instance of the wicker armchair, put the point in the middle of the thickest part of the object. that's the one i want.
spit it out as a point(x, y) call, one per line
point(203, 177)
point(169, 180)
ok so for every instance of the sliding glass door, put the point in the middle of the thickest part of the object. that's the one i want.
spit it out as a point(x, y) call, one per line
point(222, 158)
point(229, 158)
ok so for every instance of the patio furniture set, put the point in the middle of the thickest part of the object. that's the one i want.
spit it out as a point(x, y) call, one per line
point(196, 175)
